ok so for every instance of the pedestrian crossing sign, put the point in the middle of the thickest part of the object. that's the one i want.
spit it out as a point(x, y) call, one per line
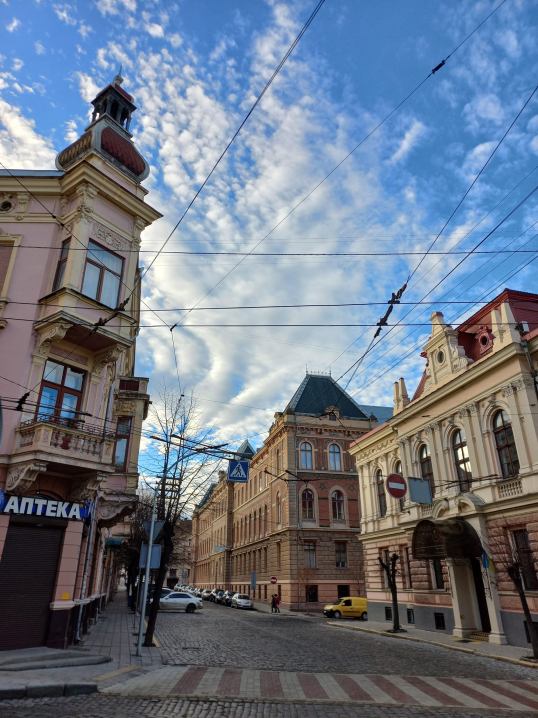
point(238, 471)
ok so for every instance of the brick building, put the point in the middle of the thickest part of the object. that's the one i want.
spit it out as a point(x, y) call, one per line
point(471, 431)
point(298, 517)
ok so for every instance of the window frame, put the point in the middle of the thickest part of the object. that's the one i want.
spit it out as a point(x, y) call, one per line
point(310, 554)
point(426, 466)
point(338, 504)
point(127, 444)
point(60, 267)
point(308, 505)
point(309, 454)
point(462, 463)
point(524, 552)
point(381, 494)
point(278, 509)
point(340, 549)
point(102, 269)
point(333, 454)
point(514, 463)
point(56, 416)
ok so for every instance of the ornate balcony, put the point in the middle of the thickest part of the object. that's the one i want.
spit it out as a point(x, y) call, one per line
point(68, 439)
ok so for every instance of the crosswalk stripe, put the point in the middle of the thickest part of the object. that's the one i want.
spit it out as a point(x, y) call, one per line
point(458, 684)
point(311, 686)
point(378, 695)
point(230, 683)
point(505, 694)
point(419, 696)
point(331, 687)
point(441, 697)
point(352, 688)
point(392, 690)
point(454, 693)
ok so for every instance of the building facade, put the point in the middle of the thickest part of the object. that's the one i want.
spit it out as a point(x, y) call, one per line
point(471, 432)
point(72, 409)
point(297, 520)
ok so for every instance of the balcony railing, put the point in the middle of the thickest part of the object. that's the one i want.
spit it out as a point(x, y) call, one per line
point(67, 437)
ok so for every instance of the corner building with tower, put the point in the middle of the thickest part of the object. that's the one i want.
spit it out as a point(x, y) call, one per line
point(471, 431)
point(297, 520)
point(72, 408)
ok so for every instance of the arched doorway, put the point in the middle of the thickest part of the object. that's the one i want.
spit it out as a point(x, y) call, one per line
point(456, 540)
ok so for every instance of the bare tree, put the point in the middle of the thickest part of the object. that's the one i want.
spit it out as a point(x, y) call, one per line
point(184, 461)
point(515, 563)
point(389, 568)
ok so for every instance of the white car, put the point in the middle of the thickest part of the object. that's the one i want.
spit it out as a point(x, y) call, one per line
point(180, 601)
point(241, 600)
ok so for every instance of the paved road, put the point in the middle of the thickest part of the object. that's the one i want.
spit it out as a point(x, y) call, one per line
point(219, 636)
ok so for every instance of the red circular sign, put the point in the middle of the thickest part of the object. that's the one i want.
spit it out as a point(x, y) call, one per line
point(274, 579)
point(396, 486)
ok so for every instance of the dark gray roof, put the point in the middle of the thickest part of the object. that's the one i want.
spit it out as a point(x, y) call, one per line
point(320, 391)
point(381, 413)
point(207, 496)
point(246, 450)
point(31, 173)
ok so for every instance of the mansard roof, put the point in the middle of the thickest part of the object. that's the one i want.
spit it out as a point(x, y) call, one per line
point(319, 392)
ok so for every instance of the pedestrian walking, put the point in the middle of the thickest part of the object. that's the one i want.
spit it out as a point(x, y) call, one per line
point(277, 604)
point(273, 605)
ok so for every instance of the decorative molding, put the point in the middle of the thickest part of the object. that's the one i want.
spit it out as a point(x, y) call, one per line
point(111, 513)
point(54, 333)
point(86, 194)
point(83, 488)
point(468, 410)
point(22, 476)
point(138, 227)
point(22, 204)
point(524, 382)
point(111, 356)
point(124, 407)
point(64, 203)
point(104, 234)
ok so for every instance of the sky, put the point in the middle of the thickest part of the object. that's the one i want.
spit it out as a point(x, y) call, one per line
point(194, 69)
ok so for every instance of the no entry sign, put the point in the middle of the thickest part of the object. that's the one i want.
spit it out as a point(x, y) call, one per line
point(274, 579)
point(396, 486)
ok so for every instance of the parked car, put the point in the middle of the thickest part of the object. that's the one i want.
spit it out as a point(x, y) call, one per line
point(227, 598)
point(350, 607)
point(219, 598)
point(213, 596)
point(180, 601)
point(206, 593)
point(241, 600)
point(164, 591)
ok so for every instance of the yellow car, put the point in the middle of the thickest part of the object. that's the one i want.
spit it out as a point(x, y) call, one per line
point(348, 608)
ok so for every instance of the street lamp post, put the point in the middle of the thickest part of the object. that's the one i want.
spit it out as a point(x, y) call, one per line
point(146, 582)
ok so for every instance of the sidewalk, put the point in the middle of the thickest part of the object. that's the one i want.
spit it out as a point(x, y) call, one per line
point(111, 636)
point(266, 608)
point(509, 653)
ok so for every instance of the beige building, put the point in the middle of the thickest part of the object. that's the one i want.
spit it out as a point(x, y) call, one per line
point(471, 431)
point(298, 518)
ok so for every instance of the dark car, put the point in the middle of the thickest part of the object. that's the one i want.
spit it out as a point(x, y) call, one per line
point(219, 598)
point(227, 599)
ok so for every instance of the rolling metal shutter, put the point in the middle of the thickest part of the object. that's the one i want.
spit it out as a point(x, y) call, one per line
point(27, 577)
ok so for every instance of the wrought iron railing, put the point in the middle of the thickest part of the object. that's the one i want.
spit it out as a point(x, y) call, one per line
point(69, 423)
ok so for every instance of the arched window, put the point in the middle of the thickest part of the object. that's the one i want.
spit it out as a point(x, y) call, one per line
point(338, 505)
point(306, 455)
point(250, 527)
point(278, 510)
point(335, 463)
point(308, 504)
point(260, 522)
point(505, 443)
point(260, 481)
point(381, 495)
point(278, 461)
point(265, 522)
point(426, 469)
point(461, 459)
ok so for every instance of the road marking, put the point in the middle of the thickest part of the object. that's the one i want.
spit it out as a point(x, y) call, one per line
point(113, 674)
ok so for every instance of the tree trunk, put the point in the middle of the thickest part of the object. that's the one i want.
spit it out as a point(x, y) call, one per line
point(394, 591)
point(168, 547)
point(515, 575)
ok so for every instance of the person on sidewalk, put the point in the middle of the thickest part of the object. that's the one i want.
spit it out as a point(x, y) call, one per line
point(273, 605)
point(277, 603)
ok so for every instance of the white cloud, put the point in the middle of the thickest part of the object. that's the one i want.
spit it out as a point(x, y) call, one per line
point(71, 133)
point(113, 7)
point(39, 48)
point(17, 64)
point(87, 86)
point(153, 28)
point(484, 107)
point(81, 50)
point(63, 13)
point(13, 25)
point(22, 88)
point(84, 30)
point(21, 146)
point(101, 61)
point(175, 40)
point(409, 141)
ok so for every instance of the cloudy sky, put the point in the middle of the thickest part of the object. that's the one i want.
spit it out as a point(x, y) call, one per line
point(194, 69)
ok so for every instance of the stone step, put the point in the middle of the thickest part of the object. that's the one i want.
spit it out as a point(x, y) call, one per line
point(64, 662)
point(31, 655)
point(478, 636)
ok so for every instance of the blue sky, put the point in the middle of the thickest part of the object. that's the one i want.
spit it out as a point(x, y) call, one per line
point(194, 69)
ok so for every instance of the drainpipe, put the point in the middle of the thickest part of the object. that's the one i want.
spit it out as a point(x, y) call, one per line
point(86, 569)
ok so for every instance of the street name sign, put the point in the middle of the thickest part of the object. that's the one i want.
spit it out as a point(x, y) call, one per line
point(238, 471)
point(396, 486)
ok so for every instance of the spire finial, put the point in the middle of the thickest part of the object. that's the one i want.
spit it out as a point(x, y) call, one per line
point(119, 79)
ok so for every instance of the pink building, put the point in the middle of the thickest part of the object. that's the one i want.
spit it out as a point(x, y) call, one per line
point(72, 409)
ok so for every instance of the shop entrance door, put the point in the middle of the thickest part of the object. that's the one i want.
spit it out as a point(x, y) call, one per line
point(27, 577)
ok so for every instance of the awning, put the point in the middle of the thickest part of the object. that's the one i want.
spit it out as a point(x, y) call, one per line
point(445, 538)
point(113, 543)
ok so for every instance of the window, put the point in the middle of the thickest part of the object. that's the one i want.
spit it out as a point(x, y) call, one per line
point(343, 590)
point(306, 455)
point(265, 522)
point(278, 510)
point(278, 555)
point(338, 505)
point(278, 462)
point(60, 269)
point(409, 576)
point(334, 458)
point(61, 393)
point(439, 621)
point(461, 459)
point(388, 613)
point(386, 561)
point(426, 469)
point(123, 431)
point(311, 594)
point(438, 573)
point(505, 443)
point(308, 504)
point(260, 475)
point(398, 470)
point(102, 275)
point(410, 616)
point(260, 522)
point(381, 496)
point(340, 548)
point(310, 554)
point(525, 558)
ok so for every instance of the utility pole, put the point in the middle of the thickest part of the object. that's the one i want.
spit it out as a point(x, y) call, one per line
point(146, 583)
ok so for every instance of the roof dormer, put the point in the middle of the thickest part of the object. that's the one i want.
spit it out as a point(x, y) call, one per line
point(446, 358)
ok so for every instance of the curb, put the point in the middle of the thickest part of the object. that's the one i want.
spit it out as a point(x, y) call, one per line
point(45, 690)
point(506, 659)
